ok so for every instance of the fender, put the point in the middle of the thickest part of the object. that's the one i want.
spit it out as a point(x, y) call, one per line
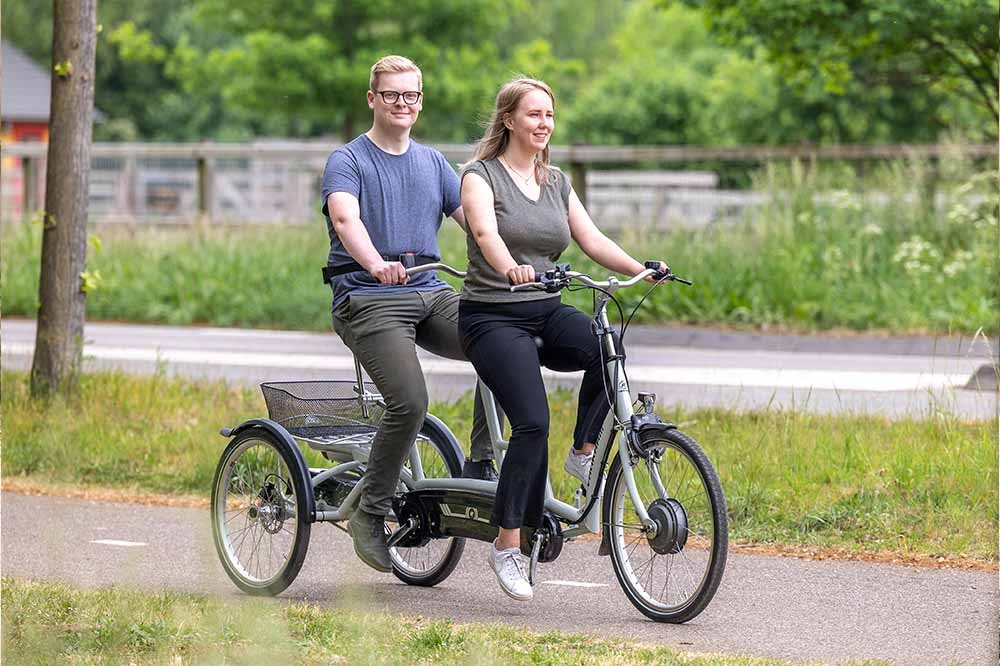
point(644, 427)
point(300, 472)
point(647, 429)
point(437, 426)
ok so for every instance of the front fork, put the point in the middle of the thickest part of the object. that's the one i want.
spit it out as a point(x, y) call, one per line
point(627, 450)
point(623, 410)
point(628, 462)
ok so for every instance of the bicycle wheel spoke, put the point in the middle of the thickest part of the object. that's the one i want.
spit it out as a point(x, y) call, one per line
point(236, 514)
point(666, 582)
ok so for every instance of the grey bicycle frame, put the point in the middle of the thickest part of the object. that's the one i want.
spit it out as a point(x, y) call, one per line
point(583, 520)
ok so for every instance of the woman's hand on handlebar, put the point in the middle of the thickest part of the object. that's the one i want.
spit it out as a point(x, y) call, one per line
point(662, 270)
point(389, 272)
point(522, 274)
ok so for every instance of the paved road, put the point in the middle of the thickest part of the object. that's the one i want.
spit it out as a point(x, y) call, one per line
point(766, 606)
point(689, 367)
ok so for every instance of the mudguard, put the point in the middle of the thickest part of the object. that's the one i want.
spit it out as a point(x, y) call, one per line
point(645, 427)
point(300, 472)
point(436, 425)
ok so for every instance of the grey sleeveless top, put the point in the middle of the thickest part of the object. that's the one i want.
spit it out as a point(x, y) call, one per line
point(535, 232)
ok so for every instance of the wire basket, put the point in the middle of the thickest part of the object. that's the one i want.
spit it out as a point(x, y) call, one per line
point(322, 408)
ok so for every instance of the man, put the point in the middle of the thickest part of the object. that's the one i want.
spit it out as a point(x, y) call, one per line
point(384, 196)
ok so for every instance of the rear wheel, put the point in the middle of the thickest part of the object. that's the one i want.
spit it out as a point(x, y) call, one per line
point(434, 560)
point(259, 522)
point(671, 570)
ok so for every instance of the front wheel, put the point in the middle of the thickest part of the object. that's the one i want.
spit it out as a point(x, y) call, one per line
point(671, 569)
point(259, 522)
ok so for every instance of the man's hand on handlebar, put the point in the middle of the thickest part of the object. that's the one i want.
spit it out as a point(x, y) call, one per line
point(522, 274)
point(389, 272)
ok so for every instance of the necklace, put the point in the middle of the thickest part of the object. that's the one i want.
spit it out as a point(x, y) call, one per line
point(524, 179)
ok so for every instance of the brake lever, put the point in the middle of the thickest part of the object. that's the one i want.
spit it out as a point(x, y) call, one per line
point(667, 275)
point(552, 285)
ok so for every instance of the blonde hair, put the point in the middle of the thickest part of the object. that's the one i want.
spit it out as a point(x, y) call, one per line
point(392, 64)
point(497, 136)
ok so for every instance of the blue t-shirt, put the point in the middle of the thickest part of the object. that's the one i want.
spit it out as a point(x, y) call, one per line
point(402, 199)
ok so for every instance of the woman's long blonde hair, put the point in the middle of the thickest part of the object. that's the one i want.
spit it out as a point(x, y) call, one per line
point(497, 136)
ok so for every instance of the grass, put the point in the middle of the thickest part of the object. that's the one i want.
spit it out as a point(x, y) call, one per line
point(861, 483)
point(831, 250)
point(46, 623)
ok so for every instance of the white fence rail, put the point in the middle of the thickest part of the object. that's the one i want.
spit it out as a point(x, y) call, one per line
point(279, 182)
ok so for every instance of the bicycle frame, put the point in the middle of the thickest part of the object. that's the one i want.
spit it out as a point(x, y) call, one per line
point(618, 421)
point(447, 510)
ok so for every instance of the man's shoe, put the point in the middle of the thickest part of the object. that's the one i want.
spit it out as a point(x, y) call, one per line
point(509, 566)
point(579, 465)
point(368, 533)
point(484, 470)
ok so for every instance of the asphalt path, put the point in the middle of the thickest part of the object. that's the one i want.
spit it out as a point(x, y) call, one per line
point(693, 368)
point(830, 611)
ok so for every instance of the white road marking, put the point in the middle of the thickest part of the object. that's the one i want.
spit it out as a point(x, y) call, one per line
point(820, 379)
point(123, 544)
point(572, 583)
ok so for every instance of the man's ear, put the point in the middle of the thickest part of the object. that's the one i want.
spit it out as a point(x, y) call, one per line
point(371, 100)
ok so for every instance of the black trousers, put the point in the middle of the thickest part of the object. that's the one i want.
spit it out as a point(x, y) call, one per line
point(499, 339)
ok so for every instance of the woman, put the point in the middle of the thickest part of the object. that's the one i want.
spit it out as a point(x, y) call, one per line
point(522, 213)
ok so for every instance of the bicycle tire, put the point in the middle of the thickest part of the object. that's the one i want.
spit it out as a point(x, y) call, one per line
point(263, 460)
point(706, 561)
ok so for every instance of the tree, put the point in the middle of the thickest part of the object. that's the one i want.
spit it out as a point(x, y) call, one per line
point(952, 44)
point(63, 281)
point(306, 62)
point(670, 80)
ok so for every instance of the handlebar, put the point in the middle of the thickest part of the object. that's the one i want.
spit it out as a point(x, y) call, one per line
point(556, 279)
point(435, 267)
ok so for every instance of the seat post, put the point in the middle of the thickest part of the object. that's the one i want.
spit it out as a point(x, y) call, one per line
point(361, 388)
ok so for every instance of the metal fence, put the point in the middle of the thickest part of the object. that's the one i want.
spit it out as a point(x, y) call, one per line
point(273, 182)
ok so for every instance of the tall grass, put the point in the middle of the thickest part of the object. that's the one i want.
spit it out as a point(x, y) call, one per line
point(926, 487)
point(830, 250)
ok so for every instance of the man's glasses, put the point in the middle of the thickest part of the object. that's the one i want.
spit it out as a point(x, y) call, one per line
point(391, 96)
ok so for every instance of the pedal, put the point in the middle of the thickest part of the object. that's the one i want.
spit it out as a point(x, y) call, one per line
point(605, 548)
point(536, 550)
point(401, 533)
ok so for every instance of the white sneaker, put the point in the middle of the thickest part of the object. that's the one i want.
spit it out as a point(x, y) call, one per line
point(579, 465)
point(509, 566)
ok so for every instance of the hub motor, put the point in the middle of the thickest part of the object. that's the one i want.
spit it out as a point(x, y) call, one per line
point(671, 526)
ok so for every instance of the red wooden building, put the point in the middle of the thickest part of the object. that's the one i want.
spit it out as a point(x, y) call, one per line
point(24, 117)
point(26, 90)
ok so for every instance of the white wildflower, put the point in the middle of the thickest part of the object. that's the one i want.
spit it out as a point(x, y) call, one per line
point(917, 256)
point(959, 213)
point(833, 256)
point(959, 262)
point(845, 200)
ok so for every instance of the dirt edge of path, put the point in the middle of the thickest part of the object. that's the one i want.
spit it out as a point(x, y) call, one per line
point(815, 553)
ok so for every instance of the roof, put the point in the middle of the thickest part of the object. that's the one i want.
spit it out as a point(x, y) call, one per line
point(26, 87)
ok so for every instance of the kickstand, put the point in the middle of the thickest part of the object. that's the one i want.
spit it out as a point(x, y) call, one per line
point(536, 550)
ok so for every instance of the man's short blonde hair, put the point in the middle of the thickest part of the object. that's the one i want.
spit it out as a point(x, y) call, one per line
point(391, 64)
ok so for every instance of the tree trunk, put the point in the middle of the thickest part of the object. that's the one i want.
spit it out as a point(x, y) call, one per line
point(345, 24)
point(59, 338)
